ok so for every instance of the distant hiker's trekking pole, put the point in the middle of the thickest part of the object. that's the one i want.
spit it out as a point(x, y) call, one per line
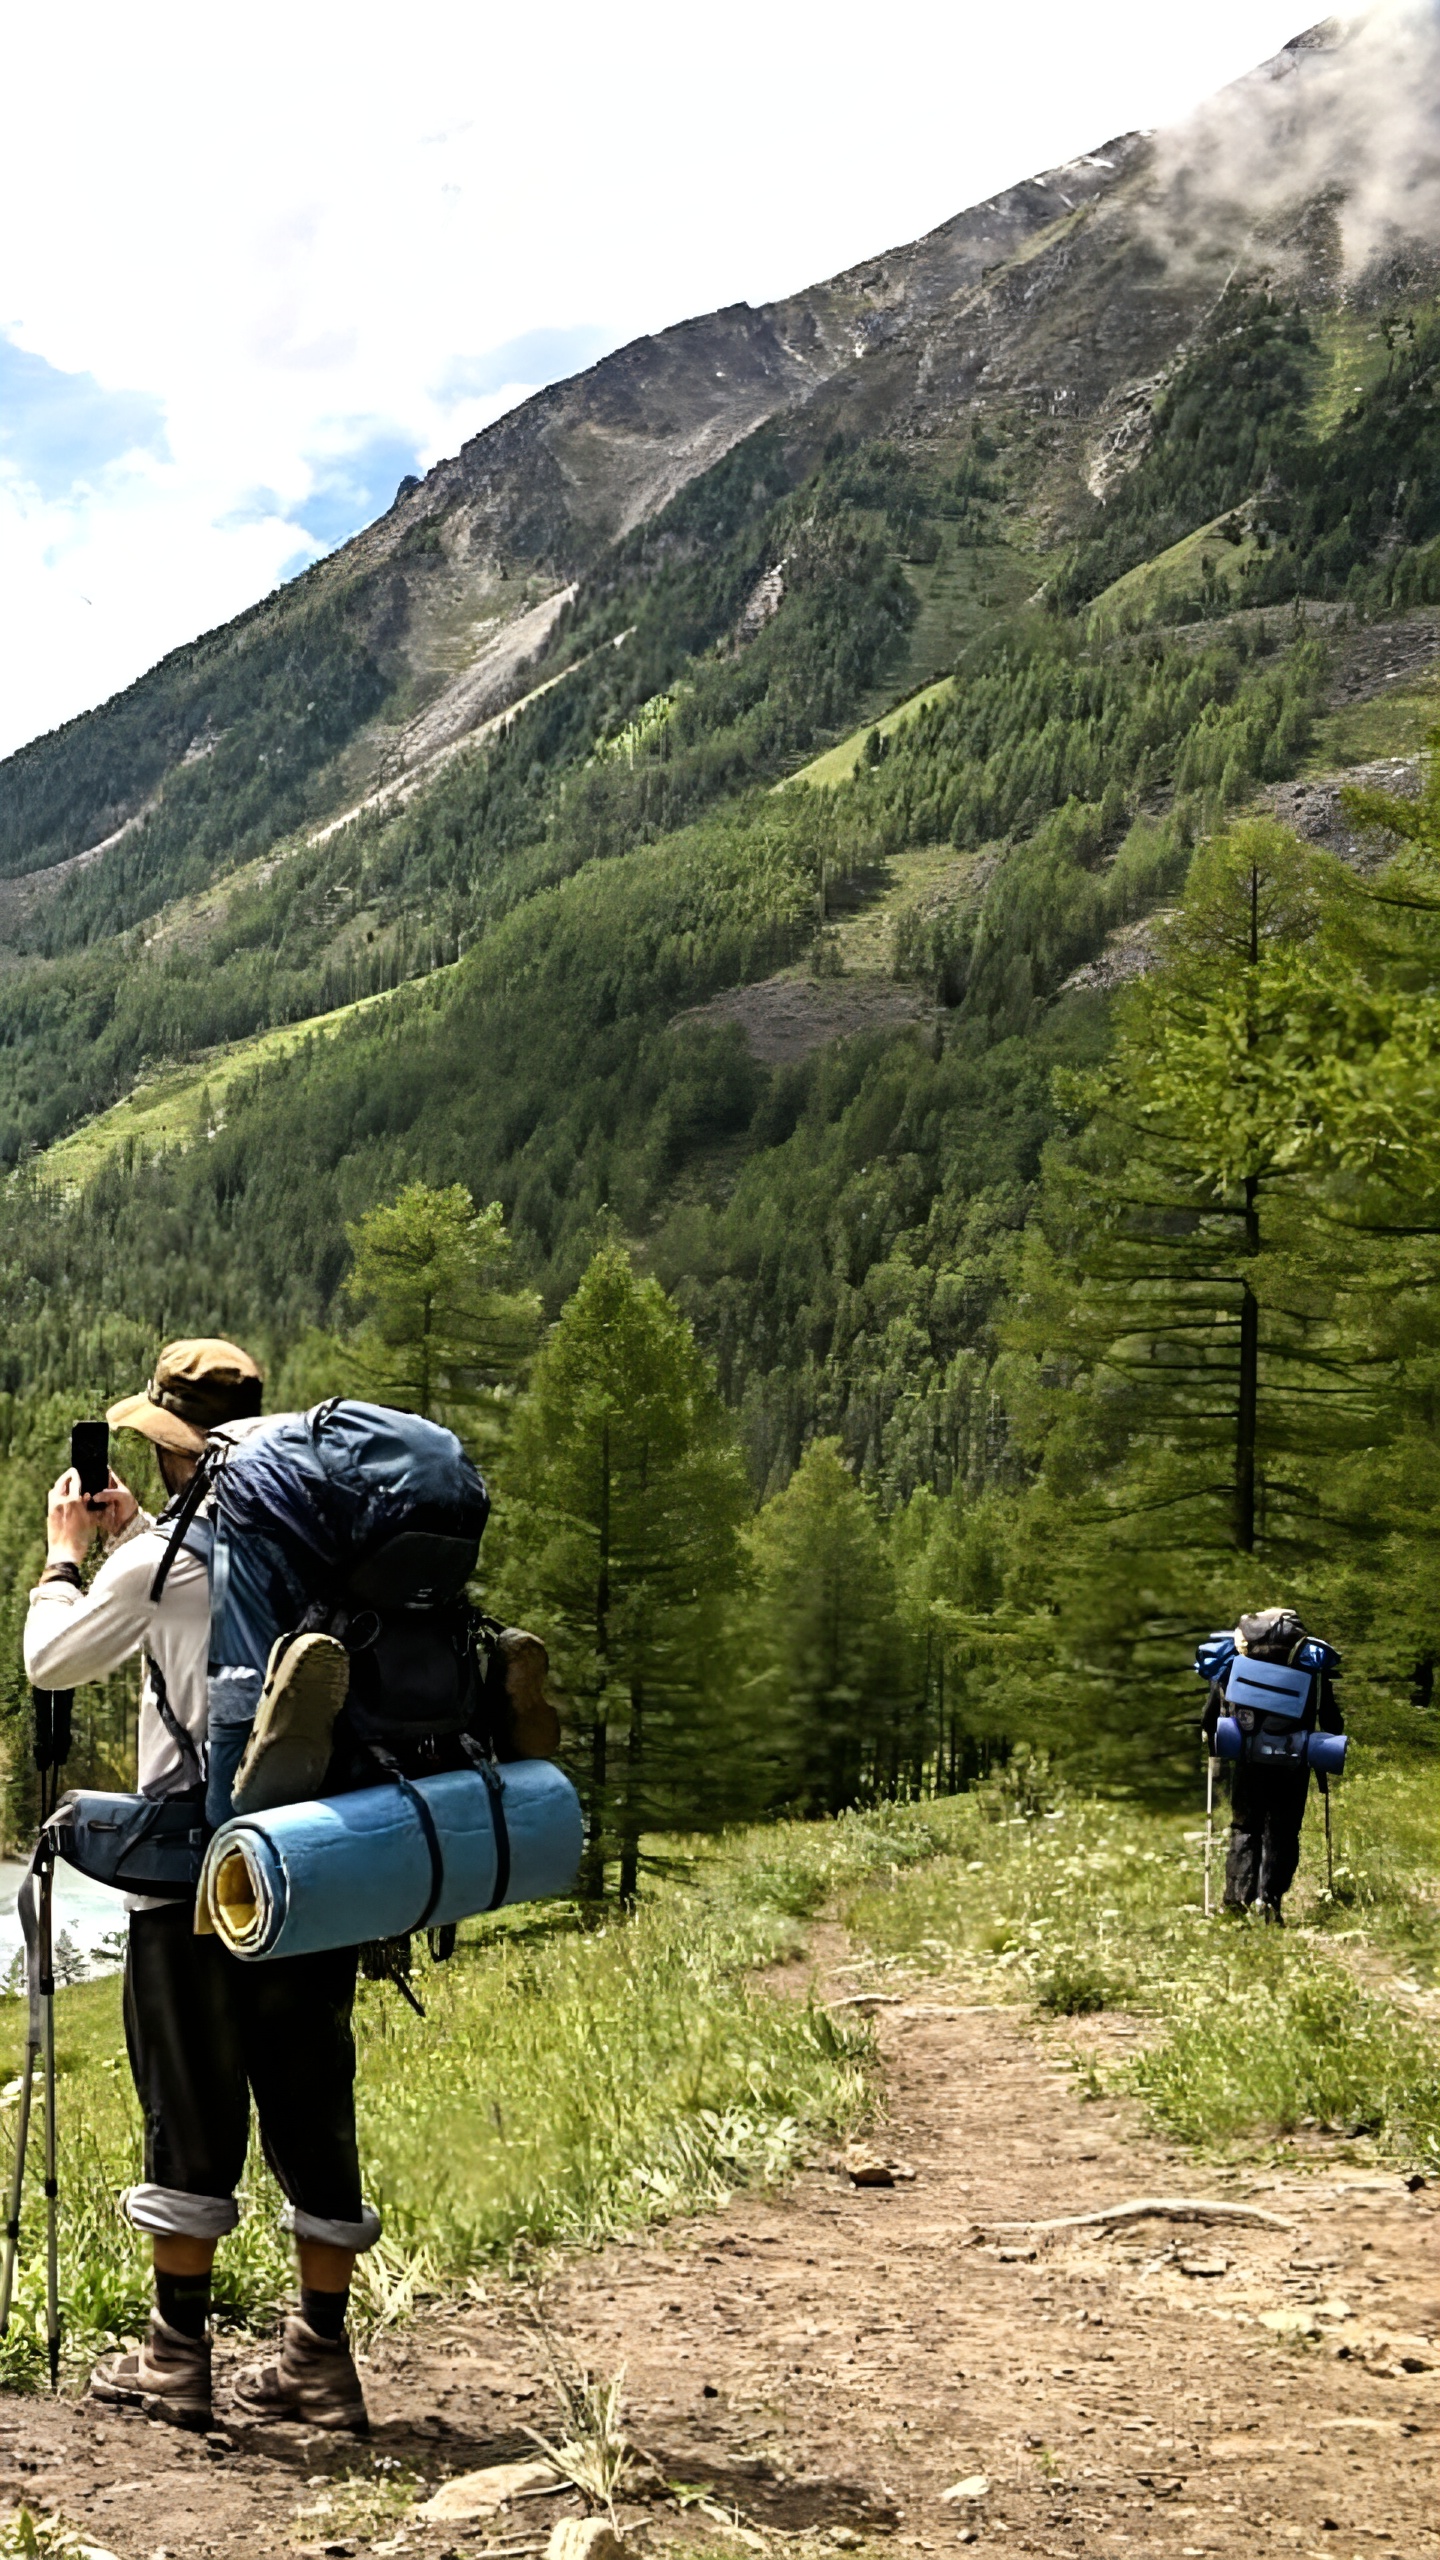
point(52, 1745)
point(1211, 1765)
point(1329, 1838)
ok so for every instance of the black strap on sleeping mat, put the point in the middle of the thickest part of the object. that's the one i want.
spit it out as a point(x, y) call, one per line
point(495, 1787)
point(432, 1843)
point(385, 1760)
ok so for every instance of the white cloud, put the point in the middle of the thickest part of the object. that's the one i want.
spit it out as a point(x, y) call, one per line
point(308, 244)
point(1359, 118)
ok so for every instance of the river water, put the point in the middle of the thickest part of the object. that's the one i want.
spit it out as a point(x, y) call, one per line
point(86, 1912)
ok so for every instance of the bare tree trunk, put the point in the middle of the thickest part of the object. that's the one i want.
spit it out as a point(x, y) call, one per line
point(634, 1763)
point(592, 1869)
point(1247, 1411)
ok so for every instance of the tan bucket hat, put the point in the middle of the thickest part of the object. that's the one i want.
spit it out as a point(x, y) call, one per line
point(196, 1386)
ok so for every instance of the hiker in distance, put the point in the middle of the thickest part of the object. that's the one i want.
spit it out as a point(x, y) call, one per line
point(1272, 1715)
point(205, 2031)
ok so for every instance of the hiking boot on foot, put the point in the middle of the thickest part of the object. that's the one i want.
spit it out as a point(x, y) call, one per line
point(312, 2382)
point(167, 2377)
point(289, 1750)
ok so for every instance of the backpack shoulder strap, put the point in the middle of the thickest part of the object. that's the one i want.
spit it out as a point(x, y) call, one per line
point(192, 1758)
point(177, 1518)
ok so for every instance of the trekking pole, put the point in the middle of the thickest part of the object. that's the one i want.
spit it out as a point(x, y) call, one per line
point(22, 2140)
point(52, 2192)
point(1211, 1766)
point(1329, 1838)
point(52, 1745)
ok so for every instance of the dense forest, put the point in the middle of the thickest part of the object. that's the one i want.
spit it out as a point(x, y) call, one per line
point(860, 1414)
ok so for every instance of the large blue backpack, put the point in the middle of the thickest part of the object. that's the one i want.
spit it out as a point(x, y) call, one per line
point(1269, 1696)
point(357, 1521)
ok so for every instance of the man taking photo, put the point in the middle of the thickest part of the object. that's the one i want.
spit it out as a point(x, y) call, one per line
point(205, 2031)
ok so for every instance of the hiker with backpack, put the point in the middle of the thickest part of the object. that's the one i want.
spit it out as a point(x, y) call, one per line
point(1272, 1715)
point(301, 1609)
point(205, 2032)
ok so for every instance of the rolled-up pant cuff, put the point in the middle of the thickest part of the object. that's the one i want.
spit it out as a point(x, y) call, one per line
point(172, 2214)
point(359, 2236)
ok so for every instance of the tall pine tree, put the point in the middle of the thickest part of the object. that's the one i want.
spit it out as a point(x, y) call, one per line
point(1188, 1294)
point(623, 1542)
point(442, 1334)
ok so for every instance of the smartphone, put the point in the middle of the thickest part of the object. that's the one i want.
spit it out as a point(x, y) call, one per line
point(90, 1455)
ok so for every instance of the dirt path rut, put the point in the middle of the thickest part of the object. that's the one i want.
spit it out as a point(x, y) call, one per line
point(832, 2361)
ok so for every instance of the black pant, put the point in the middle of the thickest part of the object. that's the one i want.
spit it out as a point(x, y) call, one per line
point(204, 2030)
point(1267, 1810)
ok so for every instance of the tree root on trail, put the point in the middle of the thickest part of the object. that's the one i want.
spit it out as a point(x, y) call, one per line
point(1151, 2209)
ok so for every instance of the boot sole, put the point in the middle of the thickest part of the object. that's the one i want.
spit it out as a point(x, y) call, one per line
point(289, 1751)
point(359, 2425)
point(195, 2418)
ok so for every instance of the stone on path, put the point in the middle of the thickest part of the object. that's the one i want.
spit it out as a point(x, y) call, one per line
point(483, 2493)
point(584, 2538)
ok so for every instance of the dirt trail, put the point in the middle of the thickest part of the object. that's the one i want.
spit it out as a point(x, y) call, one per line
point(832, 2360)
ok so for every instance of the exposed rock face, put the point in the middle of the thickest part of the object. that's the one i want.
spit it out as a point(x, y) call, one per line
point(1316, 810)
point(783, 1019)
point(1131, 951)
point(583, 461)
point(1059, 305)
point(1066, 300)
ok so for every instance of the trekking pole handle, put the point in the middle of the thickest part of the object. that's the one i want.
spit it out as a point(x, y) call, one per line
point(54, 1716)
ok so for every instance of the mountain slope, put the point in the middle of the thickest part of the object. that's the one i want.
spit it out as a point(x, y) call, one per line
point(519, 744)
point(462, 559)
point(1057, 307)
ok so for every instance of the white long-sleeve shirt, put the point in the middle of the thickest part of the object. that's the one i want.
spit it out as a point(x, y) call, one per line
point(72, 1636)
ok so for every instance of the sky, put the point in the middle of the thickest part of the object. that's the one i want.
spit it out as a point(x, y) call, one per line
point(258, 264)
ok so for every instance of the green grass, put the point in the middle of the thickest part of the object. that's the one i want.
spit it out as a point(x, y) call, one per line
point(567, 2083)
point(1353, 355)
point(177, 1106)
point(1399, 723)
point(1147, 592)
point(925, 875)
point(838, 763)
point(1259, 2035)
point(572, 2082)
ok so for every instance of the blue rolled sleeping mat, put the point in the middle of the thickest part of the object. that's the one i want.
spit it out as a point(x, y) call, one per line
point(345, 1869)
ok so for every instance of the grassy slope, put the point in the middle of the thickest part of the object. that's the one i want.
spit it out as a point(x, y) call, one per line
point(663, 2077)
point(175, 1107)
point(1143, 592)
point(925, 876)
point(838, 763)
point(1394, 724)
point(1261, 2040)
point(1353, 355)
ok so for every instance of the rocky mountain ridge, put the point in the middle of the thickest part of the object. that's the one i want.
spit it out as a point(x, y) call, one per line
point(1059, 307)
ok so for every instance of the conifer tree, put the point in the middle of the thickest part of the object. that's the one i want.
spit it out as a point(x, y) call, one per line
point(827, 1616)
point(442, 1332)
point(1188, 1294)
point(624, 1544)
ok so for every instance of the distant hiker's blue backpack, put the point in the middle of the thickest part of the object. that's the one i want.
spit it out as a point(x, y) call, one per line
point(1271, 1693)
point(360, 1522)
